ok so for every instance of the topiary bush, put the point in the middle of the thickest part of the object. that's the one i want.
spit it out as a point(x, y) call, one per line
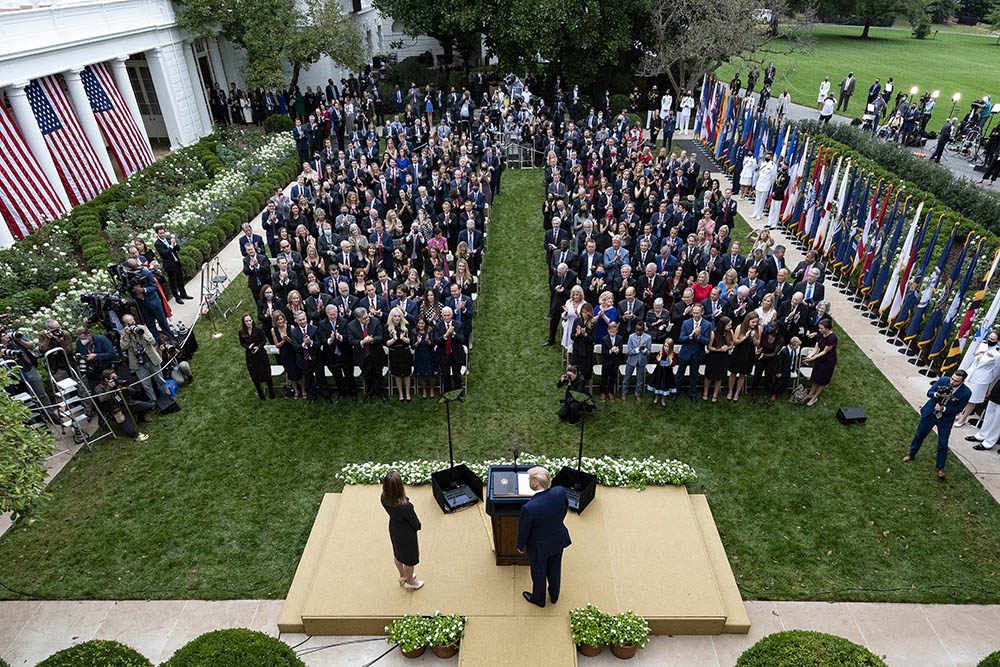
point(278, 123)
point(4, 663)
point(102, 652)
point(234, 648)
point(800, 648)
point(618, 102)
point(992, 660)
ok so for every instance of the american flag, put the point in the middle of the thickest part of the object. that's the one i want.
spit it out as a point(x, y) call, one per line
point(128, 144)
point(76, 161)
point(27, 199)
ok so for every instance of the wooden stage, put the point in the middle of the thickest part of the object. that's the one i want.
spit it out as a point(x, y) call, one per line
point(656, 552)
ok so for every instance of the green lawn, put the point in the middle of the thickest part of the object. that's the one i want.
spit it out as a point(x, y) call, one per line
point(950, 63)
point(219, 501)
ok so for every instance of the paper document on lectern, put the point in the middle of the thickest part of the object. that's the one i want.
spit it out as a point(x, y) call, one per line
point(523, 486)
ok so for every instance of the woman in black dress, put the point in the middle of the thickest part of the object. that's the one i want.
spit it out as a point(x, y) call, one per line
point(717, 364)
point(823, 360)
point(745, 341)
point(403, 527)
point(400, 354)
point(252, 339)
point(286, 354)
point(423, 357)
point(583, 342)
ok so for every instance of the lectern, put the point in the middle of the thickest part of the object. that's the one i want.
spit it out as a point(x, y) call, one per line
point(507, 491)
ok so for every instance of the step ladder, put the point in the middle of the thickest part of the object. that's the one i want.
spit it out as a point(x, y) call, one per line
point(72, 401)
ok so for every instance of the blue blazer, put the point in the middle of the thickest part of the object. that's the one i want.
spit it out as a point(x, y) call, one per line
point(540, 529)
point(254, 240)
point(693, 349)
point(955, 404)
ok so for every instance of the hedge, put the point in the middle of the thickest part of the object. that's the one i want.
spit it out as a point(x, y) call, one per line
point(278, 123)
point(618, 102)
point(102, 652)
point(234, 648)
point(992, 660)
point(800, 648)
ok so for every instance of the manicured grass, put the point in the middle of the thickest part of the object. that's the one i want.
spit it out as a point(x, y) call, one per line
point(950, 63)
point(219, 501)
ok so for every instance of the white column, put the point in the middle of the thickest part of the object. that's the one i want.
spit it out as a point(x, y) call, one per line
point(164, 94)
point(34, 140)
point(200, 100)
point(6, 237)
point(215, 54)
point(120, 72)
point(81, 105)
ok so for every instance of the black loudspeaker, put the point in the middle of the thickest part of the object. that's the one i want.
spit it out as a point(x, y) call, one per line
point(855, 415)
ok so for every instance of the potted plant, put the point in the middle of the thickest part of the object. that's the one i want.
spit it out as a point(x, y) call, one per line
point(410, 633)
point(627, 633)
point(444, 633)
point(589, 626)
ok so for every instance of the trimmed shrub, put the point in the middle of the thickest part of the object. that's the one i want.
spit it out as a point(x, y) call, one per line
point(992, 660)
point(796, 648)
point(3, 663)
point(618, 102)
point(278, 123)
point(204, 247)
point(634, 119)
point(234, 648)
point(101, 652)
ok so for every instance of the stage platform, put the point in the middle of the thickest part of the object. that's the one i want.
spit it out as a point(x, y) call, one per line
point(656, 552)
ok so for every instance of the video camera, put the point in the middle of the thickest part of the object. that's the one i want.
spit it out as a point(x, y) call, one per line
point(124, 277)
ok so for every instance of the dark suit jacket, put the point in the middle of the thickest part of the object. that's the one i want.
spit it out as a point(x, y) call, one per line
point(314, 313)
point(728, 262)
point(959, 399)
point(769, 269)
point(817, 295)
point(638, 308)
point(355, 334)
point(440, 344)
point(693, 348)
point(254, 239)
point(169, 256)
point(799, 274)
point(257, 276)
point(540, 529)
point(315, 353)
point(330, 350)
point(380, 304)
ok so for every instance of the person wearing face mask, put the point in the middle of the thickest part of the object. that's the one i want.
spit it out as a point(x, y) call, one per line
point(983, 372)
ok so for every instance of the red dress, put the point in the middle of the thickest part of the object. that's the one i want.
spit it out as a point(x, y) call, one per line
point(701, 293)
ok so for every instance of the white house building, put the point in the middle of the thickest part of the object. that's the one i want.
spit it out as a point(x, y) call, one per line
point(161, 71)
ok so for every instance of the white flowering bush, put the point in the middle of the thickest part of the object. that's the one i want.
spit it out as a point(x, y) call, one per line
point(445, 629)
point(199, 209)
point(589, 625)
point(67, 309)
point(410, 632)
point(628, 629)
point(632, 473)
point(275, 151)
point(38, 261)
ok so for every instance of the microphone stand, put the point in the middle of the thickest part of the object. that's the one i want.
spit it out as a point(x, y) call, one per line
point(447, 398)
point(588, 403)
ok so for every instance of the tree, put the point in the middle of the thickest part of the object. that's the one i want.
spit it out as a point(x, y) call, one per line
point(23, 455)
point(455, 24)
point(942, 10)
point(870, 12)
point(691, 37)
point(275, 33)
point(993, 21)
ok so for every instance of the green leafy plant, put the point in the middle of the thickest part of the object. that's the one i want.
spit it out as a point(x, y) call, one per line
point(278, 123)
point(992, 660)
point(628, 629)
point(410, 632)
point(444, 629)
point(22, 458)
point(799, 647)
point(237, 647)
point(102, 652)
point(589, 625)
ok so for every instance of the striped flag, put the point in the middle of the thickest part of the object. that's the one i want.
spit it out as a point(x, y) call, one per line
point(888, 252)
point(896, 289)
point(930, 330)
point(949, 320)
point(914, 328)
point(957, 345)
point(912, 283)
point(864, 239)
point(826, 211)
point(127, 142)
point(27, 198)
point(77, 163)
point(839, 213)
point(981, 333)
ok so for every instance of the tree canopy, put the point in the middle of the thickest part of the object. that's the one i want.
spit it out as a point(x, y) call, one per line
point(275, 33)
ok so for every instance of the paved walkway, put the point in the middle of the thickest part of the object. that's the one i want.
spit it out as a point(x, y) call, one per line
point(903, 634)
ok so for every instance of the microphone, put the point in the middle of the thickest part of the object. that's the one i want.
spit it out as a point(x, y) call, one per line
point(516, 454)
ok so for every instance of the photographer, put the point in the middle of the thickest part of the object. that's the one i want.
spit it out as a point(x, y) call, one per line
point(96, 354)
point(53, 338)
point(146, 291)
point(15, 347)
point(139, 346)
point(115, 396)
point(570, 409)
point(175, 361)
point(945, 400)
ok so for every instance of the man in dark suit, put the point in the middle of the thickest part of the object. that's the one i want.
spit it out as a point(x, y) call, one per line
point(588, 262)
point(308, 356)
point(247, 237)
point(474, 240)
point(409, 306)
point(169, 251)
point(316, 303)
point(461, 307)
point(727, 209)
point(542, 534)
point(303, 140)
point(385, 286)
point(769, 267)
point(812, 290)
point(715, 306)
point(780, 288)
point(631, 311)
point(563, 255)
point(810, 262)
point(345, 301)
point(448, 341)
point(733, 260)
point(945, 400)
point(332, 335)
point(792, 316)
point(365, 334)
point(553, 237)
point(650, 285)
point(695, 334)
point(560, 284)
point(376, 305)
point(293, 258)
point(257, 269)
